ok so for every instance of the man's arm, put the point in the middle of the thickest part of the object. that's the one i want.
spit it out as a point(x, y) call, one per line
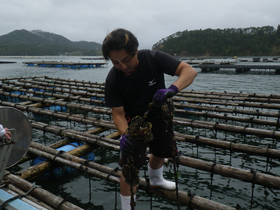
point(186, 75)
point(119, 119)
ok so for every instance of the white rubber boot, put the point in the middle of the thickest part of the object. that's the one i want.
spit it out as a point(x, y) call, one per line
point(125, 201)
point(157, 180)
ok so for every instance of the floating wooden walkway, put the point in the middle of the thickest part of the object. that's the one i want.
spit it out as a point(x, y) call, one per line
point(241, 123)
point(93, 58)
point(5, 62)
point(238, 67)
point(73, 65)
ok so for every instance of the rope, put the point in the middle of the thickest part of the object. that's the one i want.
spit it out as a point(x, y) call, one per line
point(216, 129)
point(114, 170)
point(191, 195)
point(116, 198)
point(238, 207)
point(107, 178)
point(176, 175)
point(253, 186)
point(244, 132)
point(212, 175)
point(58, 206)
point(85, 163)
point(151, 201)
point(278, 121)
point(60, 152)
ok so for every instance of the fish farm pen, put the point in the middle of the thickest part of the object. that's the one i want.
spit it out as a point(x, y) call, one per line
point(238, 68)
point(72, 65)
point(237, 132)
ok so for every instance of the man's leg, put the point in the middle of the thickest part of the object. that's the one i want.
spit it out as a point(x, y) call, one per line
point(125, 194)
point(155, 169)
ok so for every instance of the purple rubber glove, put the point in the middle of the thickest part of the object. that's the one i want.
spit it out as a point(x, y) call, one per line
point(126, 145)
point(162, 95)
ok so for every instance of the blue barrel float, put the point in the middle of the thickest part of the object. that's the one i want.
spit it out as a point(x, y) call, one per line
point(63, 170)
point(11, 99)
point(42, 90)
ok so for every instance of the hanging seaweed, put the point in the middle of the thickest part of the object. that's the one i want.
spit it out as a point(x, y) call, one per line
point(138, 130)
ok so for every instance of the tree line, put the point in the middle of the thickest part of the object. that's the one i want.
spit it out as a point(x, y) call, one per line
point(23, 42)
point(252, 41)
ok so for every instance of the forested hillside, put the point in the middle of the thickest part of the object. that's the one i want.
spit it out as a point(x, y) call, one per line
point(223, 42)
point(23, 42)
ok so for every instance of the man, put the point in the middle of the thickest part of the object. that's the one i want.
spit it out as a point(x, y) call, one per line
point(135, 80)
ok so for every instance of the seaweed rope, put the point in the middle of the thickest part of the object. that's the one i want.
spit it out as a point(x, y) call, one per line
point(139, 130)
point(168, 110)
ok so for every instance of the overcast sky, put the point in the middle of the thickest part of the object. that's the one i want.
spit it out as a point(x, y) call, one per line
point(149, 20)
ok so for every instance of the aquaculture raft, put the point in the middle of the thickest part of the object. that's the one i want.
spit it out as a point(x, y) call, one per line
point(73, 65)
point(238, 67)
point(225, 124)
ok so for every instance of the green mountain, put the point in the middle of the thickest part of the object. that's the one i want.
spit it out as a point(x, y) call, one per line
point(37, 42)
point(260, 41)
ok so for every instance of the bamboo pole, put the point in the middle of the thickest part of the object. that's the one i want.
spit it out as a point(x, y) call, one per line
point(186, 93)
point(231, 146)
point(186, 122)
point(61, 115)
point(72, 83)
point(69, 85)
point(51, 89)
point(231, 97)
point(49, 102)
point(29, 197)
point(192, 100)
point(16, 78)
point(39, 169)
point(104, 171)
point(207, 94)
point(257, 113)
point(229, 93)
point(61, 143)
point(251, 120)
point(240, 94)
point(74, 80)
point(41, 194)
point(88, 138)
point(225, 127)
point(232, 172)
point(194, 124)
point(56, 145)
point(181, 105)
point(268, 181)
point(219, 109)
point(43, 167)
point(227, 103)
point(52, 94)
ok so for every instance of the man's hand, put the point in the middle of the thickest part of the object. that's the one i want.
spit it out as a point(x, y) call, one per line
point(162, 95)
point(8, 133)
point(126, 145)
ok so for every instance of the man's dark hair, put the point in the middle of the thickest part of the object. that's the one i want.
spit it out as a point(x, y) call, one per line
point(117, 40)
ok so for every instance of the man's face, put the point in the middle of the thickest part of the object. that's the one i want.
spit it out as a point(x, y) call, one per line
point(123, 61)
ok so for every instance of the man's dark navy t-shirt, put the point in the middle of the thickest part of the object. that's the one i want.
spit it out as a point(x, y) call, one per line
point(136, 91)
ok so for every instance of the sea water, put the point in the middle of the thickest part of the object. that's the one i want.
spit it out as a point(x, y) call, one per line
point(89, 192)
